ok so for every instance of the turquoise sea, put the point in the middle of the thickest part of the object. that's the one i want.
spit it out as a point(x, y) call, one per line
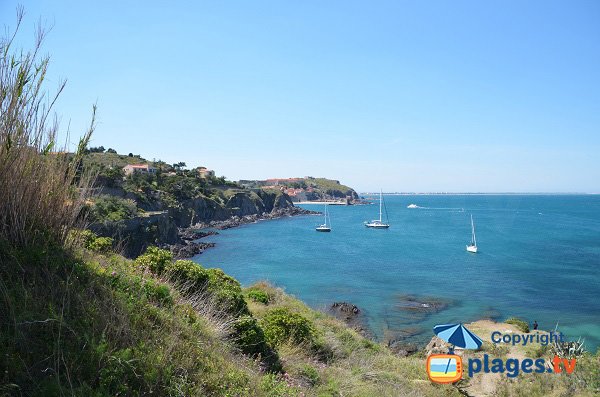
point(539, 259)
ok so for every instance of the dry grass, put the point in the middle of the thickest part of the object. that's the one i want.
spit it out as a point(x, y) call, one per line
point(42, 192)
point(353, 365)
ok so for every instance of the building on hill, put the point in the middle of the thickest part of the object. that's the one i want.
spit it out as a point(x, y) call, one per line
point(205, 172)
point(130, 169)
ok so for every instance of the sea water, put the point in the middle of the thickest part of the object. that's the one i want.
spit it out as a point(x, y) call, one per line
point(538, 259)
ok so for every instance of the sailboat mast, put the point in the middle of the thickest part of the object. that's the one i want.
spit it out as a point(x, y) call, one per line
point(473, 240)
point(380, 203)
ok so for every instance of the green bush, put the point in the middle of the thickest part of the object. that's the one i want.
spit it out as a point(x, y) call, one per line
point(310, 374)
point(281, 325)
point(227, 292)
point(274, 386)
point(119, 374)
point(522, 325)
point(91, 241)
point(110, 208)
point(158, 293)
point(101, 244)
point(250, 338)
point(258, 295)
point(155, 259)
point(188, 273)
point(84, 237)
point(248, 335)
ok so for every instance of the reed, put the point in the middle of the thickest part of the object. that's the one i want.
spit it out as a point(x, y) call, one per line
point(42, 187)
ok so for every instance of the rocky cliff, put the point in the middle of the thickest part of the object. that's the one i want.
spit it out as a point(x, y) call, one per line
point(163, 228)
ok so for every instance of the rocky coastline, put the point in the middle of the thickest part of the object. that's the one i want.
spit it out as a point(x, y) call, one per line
point(189, 246)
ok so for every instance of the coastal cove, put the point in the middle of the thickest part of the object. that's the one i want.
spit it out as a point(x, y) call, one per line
point(538, 259)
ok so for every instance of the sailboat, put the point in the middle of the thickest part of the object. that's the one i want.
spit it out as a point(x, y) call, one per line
point(326, 227)
point(472, 247)
point(378, 223)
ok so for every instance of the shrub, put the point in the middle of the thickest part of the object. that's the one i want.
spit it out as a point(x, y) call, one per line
point(275, 386)
point(158, 293)
point(188, 273)
point(227, 292)
point(83, 237)
point(155, 259)
point(250, 338)
point(110, 208)
point(101, 244)
point(522, 325)
point(119, 373)
point(258, 295)
point(90, 240)
point(310, 374)
point(281, 325)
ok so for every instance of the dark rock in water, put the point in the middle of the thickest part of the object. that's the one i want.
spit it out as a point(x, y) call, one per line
point(235, 221)
point(182, 251)
point(421, 304)
point(192, 233)
point(417, 308)
point(491, 314)
point(351, 315)
point(347, 308)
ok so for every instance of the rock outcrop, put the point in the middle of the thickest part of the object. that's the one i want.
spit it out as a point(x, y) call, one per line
point(175, 228)
point(351, 315)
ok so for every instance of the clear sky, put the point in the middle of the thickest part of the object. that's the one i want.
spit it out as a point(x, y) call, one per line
point(485, 96)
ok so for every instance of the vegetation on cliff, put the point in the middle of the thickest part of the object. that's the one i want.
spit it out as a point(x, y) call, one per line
point(308, 188)
point(150, 208)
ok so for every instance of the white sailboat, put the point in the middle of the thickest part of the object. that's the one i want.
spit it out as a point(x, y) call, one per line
point(378, 223)
point(326, 227)
point(472, 247)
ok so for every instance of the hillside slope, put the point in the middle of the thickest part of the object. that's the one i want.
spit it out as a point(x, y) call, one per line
point(98, 324)
point(144, 208)
point(307, 188)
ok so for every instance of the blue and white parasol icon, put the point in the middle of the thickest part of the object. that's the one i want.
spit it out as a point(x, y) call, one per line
point(458, 335)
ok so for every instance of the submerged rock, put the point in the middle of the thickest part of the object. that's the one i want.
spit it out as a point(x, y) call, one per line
point(348, 309)
point(412, 303)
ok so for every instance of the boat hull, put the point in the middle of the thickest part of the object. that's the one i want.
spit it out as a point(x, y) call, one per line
point(472, 248)
point(323, 229)
point(377, 226)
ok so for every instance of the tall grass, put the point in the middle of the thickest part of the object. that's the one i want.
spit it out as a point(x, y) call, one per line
point(42, 189)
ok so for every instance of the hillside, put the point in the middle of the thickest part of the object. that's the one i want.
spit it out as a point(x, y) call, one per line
point(307, 188)
point(120, 318)
point(153, 207)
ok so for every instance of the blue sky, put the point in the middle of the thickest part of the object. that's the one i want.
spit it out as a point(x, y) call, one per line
point(407, 96)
